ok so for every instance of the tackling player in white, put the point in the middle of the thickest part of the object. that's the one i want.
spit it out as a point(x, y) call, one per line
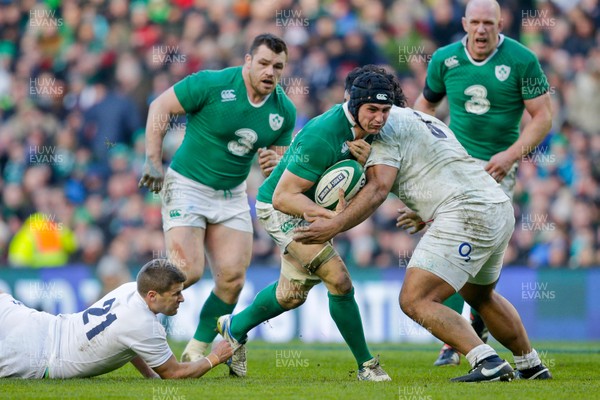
point(119, 328)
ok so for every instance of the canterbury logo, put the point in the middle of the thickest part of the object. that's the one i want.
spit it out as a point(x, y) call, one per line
point(228, 95)
point(381, 96)
point(451, 62)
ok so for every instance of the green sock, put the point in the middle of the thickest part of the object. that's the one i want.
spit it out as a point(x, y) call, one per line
point(212, 309)
point(455, 302)
point(265, 306)
point(344, 311)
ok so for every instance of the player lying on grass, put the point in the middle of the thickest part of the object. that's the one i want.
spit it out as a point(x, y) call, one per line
point(463, 248)
point(119, 328)
point(287, 194)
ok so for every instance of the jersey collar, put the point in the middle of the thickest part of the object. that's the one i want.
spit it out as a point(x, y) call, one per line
point(138, 297)
point(259, 105)
point(480, 63)
point(349, 118)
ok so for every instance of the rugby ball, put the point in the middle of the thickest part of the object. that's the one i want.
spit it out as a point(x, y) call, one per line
point(348, 175)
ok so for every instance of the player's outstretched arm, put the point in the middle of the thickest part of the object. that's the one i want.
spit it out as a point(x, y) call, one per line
point(380, 179)
point(159, 117)
point(533, 134)
point(144, 369)
point(176, 370)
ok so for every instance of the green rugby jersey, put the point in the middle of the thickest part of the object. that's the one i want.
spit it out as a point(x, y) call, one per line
point(224, 130)
point(486, 98)
point(319, 145)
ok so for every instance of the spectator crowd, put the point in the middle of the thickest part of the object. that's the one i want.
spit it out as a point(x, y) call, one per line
point(76, 79)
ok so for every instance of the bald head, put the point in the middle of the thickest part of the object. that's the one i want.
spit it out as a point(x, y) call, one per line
point(490, 7)
point(483, 23)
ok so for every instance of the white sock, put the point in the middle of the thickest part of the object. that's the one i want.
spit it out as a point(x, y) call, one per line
point(528, 360)
point(479, 353)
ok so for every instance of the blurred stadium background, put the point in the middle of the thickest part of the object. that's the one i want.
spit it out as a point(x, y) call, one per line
point(76, 79)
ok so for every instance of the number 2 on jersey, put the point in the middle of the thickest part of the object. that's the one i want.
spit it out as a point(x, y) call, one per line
point(97, 311)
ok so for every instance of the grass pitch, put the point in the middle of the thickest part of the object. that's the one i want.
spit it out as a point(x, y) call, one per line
point(315, 371)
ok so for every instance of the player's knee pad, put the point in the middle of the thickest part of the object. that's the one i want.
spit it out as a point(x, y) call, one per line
point(326, 254)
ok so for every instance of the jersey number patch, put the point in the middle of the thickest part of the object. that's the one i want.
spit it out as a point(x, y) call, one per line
point(478, 103)
point(97, 311)
point(244, 144)
point(435, 131)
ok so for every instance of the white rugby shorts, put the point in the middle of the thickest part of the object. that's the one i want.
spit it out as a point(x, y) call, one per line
point(186, 202)
point(280, 227)
point(25, 339)
point(466, 243)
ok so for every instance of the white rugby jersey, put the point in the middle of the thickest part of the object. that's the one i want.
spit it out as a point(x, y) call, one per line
point(434, 170)
point(106, 336)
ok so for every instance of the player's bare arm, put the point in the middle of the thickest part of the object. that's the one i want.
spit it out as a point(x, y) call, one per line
point(360, 149)
point(380, 179)
point(172, 369)
point(424, 105)
point(269, 158)
point(144, 369)
point(157, 123)
point(289, 197)
point(533, 134)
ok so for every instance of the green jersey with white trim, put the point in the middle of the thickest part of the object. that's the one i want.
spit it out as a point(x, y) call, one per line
point(224, 130)
point(319, 145)
point(486, 98)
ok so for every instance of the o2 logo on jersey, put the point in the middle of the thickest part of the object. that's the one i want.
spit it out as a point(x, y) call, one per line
point(464, 250)
point(478, 103)
point(245, 143)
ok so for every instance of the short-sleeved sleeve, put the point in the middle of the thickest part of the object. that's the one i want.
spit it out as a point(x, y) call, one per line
point(150, 343)
point(192, 91)
point(533, 82)
point(434, 79)
point(384, 151)
point(311, 158)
